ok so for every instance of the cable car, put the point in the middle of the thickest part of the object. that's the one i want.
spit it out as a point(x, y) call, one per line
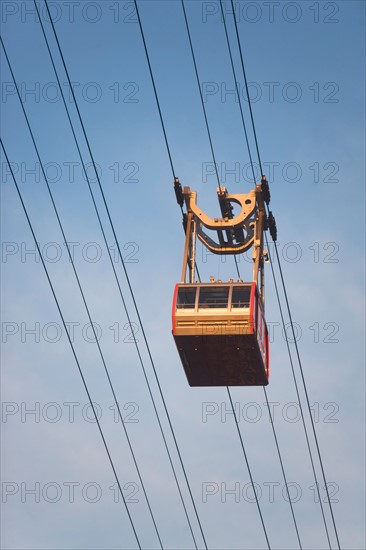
point(221, 335)
point(219, 328)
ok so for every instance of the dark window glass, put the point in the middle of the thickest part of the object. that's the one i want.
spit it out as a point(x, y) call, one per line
point(241, 296)
point(214, 297)
point(186, 298)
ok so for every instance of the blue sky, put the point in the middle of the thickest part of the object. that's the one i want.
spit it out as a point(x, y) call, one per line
point(305, 66)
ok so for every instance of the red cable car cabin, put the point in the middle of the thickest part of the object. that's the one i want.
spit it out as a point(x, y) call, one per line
point(221, 334)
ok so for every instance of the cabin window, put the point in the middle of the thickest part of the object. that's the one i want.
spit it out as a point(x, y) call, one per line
point(186, 298)
point(213, 297)
point(241, 296)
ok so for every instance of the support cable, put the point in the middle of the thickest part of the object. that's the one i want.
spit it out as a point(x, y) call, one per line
point(201, 96)
point(298, 394)
point(246, 87)
point(155, 92)
point(237, 92)
point(309, 409)
point(72, 346)
point(134, 302)
point(283, 469)
point(286, 297)
point(247, 463)
point(84, 300)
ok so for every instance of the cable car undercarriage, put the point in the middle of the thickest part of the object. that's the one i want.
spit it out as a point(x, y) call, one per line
point(219, 328)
